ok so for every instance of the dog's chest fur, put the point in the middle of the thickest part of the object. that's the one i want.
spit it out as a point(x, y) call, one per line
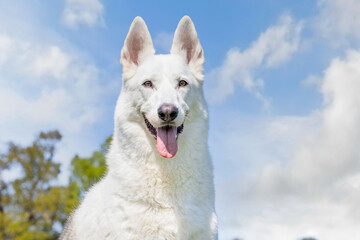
point(152, 204)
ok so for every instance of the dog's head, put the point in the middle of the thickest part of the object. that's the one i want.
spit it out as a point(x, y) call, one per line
point(163, 88)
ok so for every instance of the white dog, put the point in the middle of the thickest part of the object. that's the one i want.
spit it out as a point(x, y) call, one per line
point(159, 184)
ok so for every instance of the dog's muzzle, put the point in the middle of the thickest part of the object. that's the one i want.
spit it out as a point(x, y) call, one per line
point(166, 137)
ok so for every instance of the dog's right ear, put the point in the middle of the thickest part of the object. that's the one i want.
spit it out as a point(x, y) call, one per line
point(186, 43)
point(138, 45)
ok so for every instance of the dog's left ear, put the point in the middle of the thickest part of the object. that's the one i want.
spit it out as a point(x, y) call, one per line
point(138, 45)
point(187, 44)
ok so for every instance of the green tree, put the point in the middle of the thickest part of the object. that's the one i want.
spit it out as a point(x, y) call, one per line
point(32, 205)
point(87, 171)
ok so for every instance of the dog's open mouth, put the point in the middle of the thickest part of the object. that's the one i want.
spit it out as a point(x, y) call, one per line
point(166, 138)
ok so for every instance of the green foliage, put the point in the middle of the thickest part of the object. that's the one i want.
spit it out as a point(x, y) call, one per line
point(87, 171)
point(31, 205)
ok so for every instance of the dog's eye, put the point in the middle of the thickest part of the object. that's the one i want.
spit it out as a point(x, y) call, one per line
point(182, 83)
point(148, 84)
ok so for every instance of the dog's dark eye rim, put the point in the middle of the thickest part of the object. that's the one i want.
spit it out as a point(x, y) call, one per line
point(182, 83)
point(147, 83)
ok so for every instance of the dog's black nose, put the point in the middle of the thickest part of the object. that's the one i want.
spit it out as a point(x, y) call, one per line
point(167, 112)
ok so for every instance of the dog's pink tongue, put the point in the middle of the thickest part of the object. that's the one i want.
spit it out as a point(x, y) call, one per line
point(166, 141)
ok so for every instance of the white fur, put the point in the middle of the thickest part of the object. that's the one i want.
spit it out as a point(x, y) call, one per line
point(143, 195)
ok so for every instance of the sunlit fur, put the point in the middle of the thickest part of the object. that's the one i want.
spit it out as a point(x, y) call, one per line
point(143, 195)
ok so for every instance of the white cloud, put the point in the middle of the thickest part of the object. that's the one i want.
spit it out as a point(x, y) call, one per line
point(5, 48)
point(274, 47)
point(46, 86)
point(62, 85)
point(339, 20)
point(162, 42)
point(331, 152)
point(52, 62)
point(305, 174)
point(83, 12)
point(31, 58)
point(51, 108)
point(58, 89)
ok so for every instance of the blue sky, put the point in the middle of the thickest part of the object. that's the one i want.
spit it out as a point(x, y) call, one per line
point(282, 82)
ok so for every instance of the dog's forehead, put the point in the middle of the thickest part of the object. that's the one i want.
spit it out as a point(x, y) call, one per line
point(168, 65)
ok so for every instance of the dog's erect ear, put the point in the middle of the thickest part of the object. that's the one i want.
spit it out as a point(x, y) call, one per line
point(138, 45)
point(186, 43)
